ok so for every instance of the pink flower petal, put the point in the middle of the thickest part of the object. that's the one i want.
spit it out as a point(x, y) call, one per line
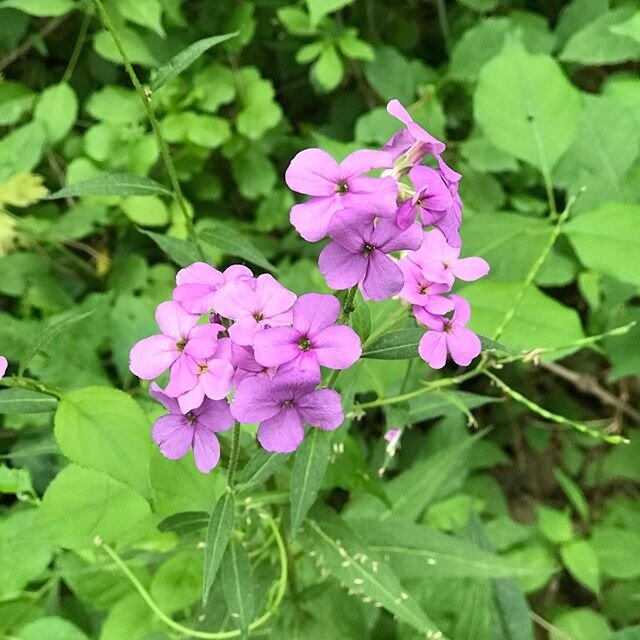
point(206, 449)
point(463, 344)
point(313, 172)
point(214, 415)
point(236, 299)
point(3, 366)
point(433, 349)
point(274, 298)
point(200, 273)
point(254, 401)
point(389, 237)
point(282, 433)
point(352, 229)
point(313, 312)
point(191, 399)
point(337, 347)
point(461, 310)
point(242, 331)
point(363, 161)
point(203, 341)
point(174, 321)
point(311, 219)
point(470, 269)
point(216, 382)
point(182, 376)
point(378, 195)
point(173, 434)
point(151, 356)
point(384, 278)
point(276, 346)
point(340, 267)
point(169, 403)
point(321, 408)
point(431, 320)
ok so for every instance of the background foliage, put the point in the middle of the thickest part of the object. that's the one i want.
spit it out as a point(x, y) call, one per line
point(538, 102)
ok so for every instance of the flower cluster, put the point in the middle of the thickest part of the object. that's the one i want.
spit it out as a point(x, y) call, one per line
point(368, 218)
point(230, 330)
point(234, 334)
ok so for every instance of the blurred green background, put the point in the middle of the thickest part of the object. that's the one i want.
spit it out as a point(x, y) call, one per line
point(537, 101)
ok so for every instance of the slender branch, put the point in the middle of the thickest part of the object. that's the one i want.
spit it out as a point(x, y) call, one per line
point(27, 45)
point(145, 96)
point(235, 452)
point(82, 34)
point(347, 307)
point(21, 382)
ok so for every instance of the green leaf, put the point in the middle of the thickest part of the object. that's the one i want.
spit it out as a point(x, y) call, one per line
point(15, 481)
point(432, 405)
point(391, 75)
point(328, 71)
point(295, 21)
point(580, 624)
point(15, 100)
point(416, 551)
point(146, 14)
point(202, 130)
point(260, 111)
point(237, 586)
point(582, 563)
point(341, 552)
point(630, 27)
point(51, 628)
point(185, 59)
point(105, 429)
point(49, 334)
point(318, 9)
point(182, 252)
point(135, 46)
point(573, 492)
point(184, 522)
point(543, 106)
point(618, 551)
point(260, 468)
point(146, 210)
point(233, 243)
point(112, 184)
point(555, 525)
point(254, 173)
point(606, 240)
point(598, 44)
point(56, 111)
point(177, 583)
point(539, 322)
point(116, 105)
point(40, 8)
point(394, 345)
point(309, 466)
point(81, 504)
point(218, 535)
point(25, 401)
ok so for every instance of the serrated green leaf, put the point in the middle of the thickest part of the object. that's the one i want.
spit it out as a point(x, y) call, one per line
point(237, 586)
point(185, 59)
point(218, 535)
point(105, 429)
point(309, 467)
point(112, 184)
point(233, 243)
point(339, 550)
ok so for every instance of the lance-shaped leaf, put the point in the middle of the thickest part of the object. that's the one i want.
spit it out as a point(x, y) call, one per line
point(218, 534)
point(185, 59)
point(25, 401)
point(340, 551)
point(182, 252)
point(112, 184)
point(185, 522)
point(309, 467)
point(260, 468)
point(395, 345)
point(237, 585)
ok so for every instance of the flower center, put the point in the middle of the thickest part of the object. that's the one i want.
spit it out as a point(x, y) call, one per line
point(258, 316)
point(191, 418)
point(424, 289)
point(342, 187)
point(368, 249)
point(448, 326)
point(181, 344)
point(304, 344)
point(287, 404)
point(202, 368)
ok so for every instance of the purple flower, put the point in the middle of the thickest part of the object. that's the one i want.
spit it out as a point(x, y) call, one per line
point(337, 186)
point(177, 432)
point(314, 340)
point(198, 283)
point(282, 405)
point(413, 139)
point(393, 438)
point(450, 223)
point(182, 340)
point(358, 253)
point(244, 360)
point(439, 261)
point(3, 366)
point(431, 201)
point(266, 304)
point(418, 290)
point(448, 334)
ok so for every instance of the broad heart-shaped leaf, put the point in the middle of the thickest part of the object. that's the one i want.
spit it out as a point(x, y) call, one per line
point(105, 429)
point(237, 585)
point(395, 345)
point(309, 467)
point(182, 252)
point(52, 628)
point(186, 58)
point(185, 522)
point(526, 106)
point(218, 535)
point(49, 334)
point(112, 184)
point(340, 551)
point(607, 240)
point(539, 322)
point(81, 504)
point(417, 551)
point(260, 467)
point(25, 401)
point(582, 563)
point(231, 242)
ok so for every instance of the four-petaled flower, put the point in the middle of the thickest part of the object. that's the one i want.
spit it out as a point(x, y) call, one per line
point(358, 253)
point(314, 339)
point(419, 291)
point(177, 432)
point(448, 334)
point(337, 186)
point(282, 405)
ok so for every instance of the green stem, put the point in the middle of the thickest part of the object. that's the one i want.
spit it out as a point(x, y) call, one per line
point(444, 24)
point(235, 452)
point(82, 34)
point(145, 96)
point(21, 382)
point(347, 307)
point(206, 635)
